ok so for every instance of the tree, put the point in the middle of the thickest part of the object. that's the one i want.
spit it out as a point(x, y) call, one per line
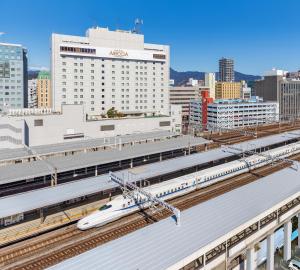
point(112, 112)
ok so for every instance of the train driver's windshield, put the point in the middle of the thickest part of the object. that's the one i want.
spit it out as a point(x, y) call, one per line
point(104, 207)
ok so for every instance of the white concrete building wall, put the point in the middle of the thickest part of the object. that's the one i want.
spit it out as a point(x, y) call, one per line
point(210, 82)
point(71, 124)
point(120, 71)
point(12, 132)
point(241, 114)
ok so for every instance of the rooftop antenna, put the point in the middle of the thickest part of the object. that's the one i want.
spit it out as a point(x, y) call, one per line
point(137, 24)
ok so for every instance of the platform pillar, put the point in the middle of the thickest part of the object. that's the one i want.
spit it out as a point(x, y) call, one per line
point(270, 252)
point(287, 251)
point(298, 242)
point(96, 171)
point(131, 163)
point(42, 215)
point(250, 259)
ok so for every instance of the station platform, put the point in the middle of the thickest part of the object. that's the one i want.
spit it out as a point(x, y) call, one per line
point(29, 228)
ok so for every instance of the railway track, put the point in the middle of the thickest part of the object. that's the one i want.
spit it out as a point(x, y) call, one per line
point(262, 131)
point(57, 246)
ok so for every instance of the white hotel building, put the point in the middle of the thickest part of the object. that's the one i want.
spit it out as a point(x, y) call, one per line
point(108, 69)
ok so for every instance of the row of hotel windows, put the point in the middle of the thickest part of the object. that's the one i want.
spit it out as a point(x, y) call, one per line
point(123, 108)
point(113, 90)
point(113, 66)
point(114, 60)
point(113, 78)
point(113, 84)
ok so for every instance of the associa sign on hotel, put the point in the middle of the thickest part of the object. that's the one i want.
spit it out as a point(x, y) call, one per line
point(114, 53)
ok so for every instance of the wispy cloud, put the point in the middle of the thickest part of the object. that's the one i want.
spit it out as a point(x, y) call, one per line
point(38, 68)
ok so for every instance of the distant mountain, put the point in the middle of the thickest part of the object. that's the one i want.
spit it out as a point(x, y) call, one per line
point(33, 74)
point(180, 77)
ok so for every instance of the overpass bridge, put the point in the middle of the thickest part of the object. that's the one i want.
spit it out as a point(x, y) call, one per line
point(210, 234)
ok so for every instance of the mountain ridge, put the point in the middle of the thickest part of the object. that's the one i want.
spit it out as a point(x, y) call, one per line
point(181, 77)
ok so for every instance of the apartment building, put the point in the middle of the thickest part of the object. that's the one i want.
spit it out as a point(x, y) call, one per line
point(110, 69)
point(226, 70)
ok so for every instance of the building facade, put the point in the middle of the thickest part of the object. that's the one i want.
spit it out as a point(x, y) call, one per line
point(44, 93)
point(198, 118)
point(289, 98)
point(226, 70)
point(108, 69)
point(32, 93)
point(210, 82)
point(13, 77)
point(235, 114)
point(41, 126)
point(228, 90)
point(268, 87)
point(245, 91)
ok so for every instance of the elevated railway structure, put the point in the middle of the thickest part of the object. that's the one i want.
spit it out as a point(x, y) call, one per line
point(226, 227)
point(20, 177)
point(227, 214)
point(40, 203)
point(36, 174)
point(77, 160)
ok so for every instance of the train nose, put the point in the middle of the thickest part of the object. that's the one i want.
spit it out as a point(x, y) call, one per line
point(82, 225)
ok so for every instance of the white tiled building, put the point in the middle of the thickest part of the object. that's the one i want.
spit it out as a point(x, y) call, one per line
point(108, 69)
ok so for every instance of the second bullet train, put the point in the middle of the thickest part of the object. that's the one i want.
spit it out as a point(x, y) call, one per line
point(122, 205)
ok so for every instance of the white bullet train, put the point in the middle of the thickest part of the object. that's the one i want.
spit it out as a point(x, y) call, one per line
point(122, 206)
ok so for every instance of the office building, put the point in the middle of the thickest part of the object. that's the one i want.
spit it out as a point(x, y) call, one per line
point(228, 90)
point(13, 76)
point(182, 95)
point(210, 82)
point(32, 93)
point(289, 98)
point(282, 87)
point(44, 93)
point(108, 69)
point(267, 88)
point(226, 70)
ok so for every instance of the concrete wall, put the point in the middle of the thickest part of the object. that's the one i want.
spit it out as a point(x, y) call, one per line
point(12, 132)
point(54, 128)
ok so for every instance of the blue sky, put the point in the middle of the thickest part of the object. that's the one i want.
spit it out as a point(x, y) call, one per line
point(258, 34)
